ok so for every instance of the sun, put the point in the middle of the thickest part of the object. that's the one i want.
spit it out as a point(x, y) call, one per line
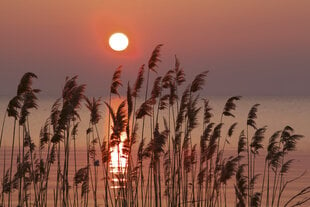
point(118, 41)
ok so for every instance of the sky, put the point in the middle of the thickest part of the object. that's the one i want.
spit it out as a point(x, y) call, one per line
point(251, 48)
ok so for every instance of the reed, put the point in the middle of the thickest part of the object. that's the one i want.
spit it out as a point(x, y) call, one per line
point(168, 167)
point(95, 116)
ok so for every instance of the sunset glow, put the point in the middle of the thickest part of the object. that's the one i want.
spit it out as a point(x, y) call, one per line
point(118, 41)
point(154, 103)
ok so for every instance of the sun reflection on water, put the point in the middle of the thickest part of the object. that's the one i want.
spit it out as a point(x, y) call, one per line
point(118, 163)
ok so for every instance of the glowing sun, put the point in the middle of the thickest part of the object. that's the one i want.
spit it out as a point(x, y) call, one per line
point(118, 41)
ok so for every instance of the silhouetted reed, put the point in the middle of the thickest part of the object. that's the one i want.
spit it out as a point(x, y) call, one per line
point(161, 163)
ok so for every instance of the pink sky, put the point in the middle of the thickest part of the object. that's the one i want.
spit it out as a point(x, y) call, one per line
point(250, 47)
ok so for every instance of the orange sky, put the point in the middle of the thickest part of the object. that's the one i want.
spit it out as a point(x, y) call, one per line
point(243, 43)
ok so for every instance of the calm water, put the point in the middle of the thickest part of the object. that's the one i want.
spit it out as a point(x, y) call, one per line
point(275, 112)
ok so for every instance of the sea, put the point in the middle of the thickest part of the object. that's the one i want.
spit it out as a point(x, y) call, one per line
point(273, 112)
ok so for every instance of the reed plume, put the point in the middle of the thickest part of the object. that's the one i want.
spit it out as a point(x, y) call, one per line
point(119, 121)
point(116, 81)
point(229, 135)
point(198, 82)
point(13, 107)
point(179, 72)
point(81, 177)
point(252, 116)
point(146, 109)
point(25, 84)
point(156, 91)
point(257, 140)
point(228, 170)
point(93, 106)
point(154, 59)
point(242, 143)
point(139, 82)
point(207, 112)
point(230, 106)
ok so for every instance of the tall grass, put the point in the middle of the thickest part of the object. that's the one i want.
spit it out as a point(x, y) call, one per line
point(166, 164)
